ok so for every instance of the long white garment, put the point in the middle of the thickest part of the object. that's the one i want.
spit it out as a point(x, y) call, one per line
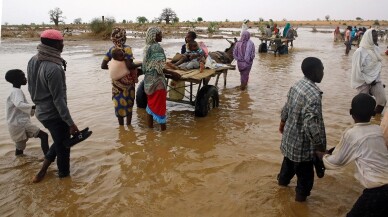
point(364, 144)
point(366, 62)
point(18, 113)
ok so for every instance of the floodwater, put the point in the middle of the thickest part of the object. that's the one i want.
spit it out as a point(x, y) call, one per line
point(224, 164)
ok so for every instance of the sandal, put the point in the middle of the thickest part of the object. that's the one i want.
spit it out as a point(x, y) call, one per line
point(77, 138)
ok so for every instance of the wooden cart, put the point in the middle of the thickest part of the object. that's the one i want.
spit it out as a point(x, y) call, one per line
point(196, 89)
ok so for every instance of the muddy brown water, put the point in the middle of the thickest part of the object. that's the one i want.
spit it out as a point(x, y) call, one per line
point(224, 164)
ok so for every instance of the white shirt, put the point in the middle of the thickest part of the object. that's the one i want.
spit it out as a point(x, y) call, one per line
point(18, 112)
point(364, 144)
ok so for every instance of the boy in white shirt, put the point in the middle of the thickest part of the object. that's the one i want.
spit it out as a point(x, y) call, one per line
point(364, 144)
point(18, 113)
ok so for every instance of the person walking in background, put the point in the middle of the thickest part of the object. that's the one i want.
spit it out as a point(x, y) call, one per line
point(303, 129)
point(348, 41)
point(364, 144)
point(285, 30)
point(366, 70)
point(337, 34)
point(244, 53)
point(123, 89)
point(47, 87)
point(18, 113)
point(244, 26)
point(155, 84)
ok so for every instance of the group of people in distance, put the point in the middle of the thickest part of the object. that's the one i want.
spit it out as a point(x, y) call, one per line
point(304, 143)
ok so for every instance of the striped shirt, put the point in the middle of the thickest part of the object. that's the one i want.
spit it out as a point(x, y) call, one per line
point(304, 130)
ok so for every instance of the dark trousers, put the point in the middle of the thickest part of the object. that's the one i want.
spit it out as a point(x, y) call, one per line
point(304, 172)
point(372, 202)
point(59, 131)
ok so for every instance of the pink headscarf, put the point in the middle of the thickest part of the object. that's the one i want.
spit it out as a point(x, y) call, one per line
point(245, 49)
point(52, 34)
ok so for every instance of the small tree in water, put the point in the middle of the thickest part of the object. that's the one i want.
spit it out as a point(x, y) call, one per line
point(168, 15)
point(327, 17)
point(56, 16)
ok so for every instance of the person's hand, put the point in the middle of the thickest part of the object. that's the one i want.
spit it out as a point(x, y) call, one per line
point(73, 129)
point(281, 126)
point(320, 154)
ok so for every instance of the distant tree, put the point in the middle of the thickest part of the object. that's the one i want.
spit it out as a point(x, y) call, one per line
point(124, 21)
point(376, 23)
point(318, 19)
point(175, 20)
point(226, 20)
point(261, 19)
point(358, 18)
point(56, 16)
point(327, 17)
point(6, 23)
point(199, 19)
point(102, 27)
point(167, 15)
point(77, 21)
point(142, 20)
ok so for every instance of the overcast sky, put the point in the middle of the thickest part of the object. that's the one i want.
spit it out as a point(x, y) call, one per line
point(36, 11)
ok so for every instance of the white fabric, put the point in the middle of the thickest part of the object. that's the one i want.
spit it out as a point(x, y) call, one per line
point(18, 113)
point(244, 27)
point(117, 69)
point(366, 62)
point(364, 144)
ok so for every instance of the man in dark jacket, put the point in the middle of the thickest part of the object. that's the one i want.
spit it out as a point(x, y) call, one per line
point(47, 87)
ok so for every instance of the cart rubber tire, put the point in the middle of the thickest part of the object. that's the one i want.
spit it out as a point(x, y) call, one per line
point(141, 96)
point(206, 100)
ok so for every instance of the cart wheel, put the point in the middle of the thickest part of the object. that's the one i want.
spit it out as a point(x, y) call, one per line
point(206, 100)
point(141, 96)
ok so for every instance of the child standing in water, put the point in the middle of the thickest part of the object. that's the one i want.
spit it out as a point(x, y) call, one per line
point(303, 129)
point(18, 113)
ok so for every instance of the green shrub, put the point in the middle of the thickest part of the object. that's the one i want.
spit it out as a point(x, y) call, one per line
point(98, 27)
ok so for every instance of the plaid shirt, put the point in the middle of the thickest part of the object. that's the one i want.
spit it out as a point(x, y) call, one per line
point(304, 130)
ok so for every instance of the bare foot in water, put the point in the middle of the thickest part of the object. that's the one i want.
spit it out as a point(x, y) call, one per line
point(39, 177)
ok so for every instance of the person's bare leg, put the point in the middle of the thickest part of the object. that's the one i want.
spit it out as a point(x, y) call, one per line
point(39, 177)
point(150, 121)
point(182, 60)
point(163, 127)
point(43, 136)
point(129, 118)
point(121, 120)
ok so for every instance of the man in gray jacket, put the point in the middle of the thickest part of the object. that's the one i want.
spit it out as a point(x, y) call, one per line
point(47, 87)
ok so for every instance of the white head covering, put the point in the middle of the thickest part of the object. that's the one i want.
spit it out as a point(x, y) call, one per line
point(367, 43)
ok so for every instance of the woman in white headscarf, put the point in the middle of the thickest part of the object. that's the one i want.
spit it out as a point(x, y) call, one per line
point(366, 69)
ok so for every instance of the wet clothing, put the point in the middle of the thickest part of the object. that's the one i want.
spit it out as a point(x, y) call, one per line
point(18, 113)
point(372, 202)
point(155, 84)
point(244, 53)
